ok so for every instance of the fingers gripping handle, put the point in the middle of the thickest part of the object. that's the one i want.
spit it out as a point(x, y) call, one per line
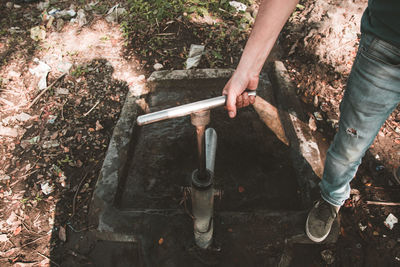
point(183, 110)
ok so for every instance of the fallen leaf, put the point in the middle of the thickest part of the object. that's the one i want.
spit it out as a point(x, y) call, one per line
point(17, 230)
point(91, 130)
point(161, 241)
point(342, 232)
point(241, 189)
point(230, 230)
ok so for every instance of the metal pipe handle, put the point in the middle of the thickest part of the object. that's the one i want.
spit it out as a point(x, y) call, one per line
point(183, 110)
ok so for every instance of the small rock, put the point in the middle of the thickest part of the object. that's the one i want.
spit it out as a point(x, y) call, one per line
point(59, 24)
point(62, 234)
point(195, 54)
point(50, 144)
point(3, 238)
point(139, 89)
point(9, 5)
point(390, 221)
point(17, 6)
point(7, 131)
point(61, 91)
point(158, 66)
point(64, 67)
point(327, 256)
point(80, 18)
point(38, 33)
point(114, 13)
point(238, 6)
point(21, 117)
point(43, 5)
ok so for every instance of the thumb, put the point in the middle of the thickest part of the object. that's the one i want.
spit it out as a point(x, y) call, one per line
point(231, 104)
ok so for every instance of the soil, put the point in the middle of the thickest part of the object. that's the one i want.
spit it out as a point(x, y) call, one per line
point(52, 150)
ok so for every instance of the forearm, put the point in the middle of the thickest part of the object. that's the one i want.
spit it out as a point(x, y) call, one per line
point(271, 17)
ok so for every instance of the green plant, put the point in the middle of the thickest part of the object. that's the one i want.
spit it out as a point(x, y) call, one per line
point(79, 71)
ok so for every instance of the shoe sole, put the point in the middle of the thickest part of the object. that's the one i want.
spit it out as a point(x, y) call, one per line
point(313, 238)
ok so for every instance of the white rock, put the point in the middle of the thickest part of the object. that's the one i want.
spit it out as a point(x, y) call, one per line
point(158, 66)
point(3, 238)
point(38, 33)
point(195, 54)
point(43, 5)
point(61, 91)
point(50, 144)
point(238, 6)
point(7, 131)
point(390, 221)
point(21, 117)
point(80, 18)
point(64, 66)
point(114, 13)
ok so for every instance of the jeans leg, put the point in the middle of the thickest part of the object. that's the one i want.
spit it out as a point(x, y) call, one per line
point(373, 91)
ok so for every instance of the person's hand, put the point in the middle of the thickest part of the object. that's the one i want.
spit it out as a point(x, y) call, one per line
point(234, 89)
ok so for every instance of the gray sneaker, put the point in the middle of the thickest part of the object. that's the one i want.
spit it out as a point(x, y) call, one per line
point(320, 219)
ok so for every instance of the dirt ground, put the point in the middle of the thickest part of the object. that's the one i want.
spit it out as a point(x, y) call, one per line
point(53, 144)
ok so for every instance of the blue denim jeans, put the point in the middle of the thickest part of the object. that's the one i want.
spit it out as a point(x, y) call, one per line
point(372, 93)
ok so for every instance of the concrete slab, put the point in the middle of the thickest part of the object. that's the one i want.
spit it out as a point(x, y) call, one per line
point(305, 152)
point(133, 203)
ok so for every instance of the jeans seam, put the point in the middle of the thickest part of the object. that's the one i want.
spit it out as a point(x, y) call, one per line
point(392, 48)
point(365, 51)
point(330, 200)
